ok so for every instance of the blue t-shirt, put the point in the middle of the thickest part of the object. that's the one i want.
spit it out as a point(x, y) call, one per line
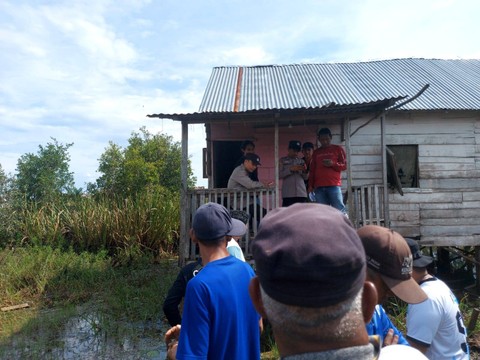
point(380, 324)
point(219, 320)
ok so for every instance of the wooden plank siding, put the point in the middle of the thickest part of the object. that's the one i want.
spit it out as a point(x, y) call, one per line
point(445, 209)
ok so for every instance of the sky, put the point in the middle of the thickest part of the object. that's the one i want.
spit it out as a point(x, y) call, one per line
point(88, 72)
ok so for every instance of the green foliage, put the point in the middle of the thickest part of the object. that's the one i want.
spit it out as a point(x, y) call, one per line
point(10, 221)
point(51, 273)
point(148, 161)
point(45, 176)
point(126, 227)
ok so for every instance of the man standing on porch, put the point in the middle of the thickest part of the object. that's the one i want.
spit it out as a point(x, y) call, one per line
point(328, 162)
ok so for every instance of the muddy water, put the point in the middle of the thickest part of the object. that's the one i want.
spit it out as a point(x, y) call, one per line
point(83, 338)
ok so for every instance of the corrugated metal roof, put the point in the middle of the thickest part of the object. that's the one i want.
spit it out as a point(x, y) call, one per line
point(454, 84)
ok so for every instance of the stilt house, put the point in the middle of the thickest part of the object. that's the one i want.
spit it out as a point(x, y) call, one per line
point(410, 128)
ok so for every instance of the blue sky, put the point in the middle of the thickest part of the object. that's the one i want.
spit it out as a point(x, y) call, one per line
point(88, 72)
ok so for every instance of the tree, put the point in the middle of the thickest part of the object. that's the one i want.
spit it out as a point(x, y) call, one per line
point(46, 175)
point(148, 161)
point(3, 184)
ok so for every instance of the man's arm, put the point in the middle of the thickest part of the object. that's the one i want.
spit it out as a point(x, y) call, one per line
point(387, 325)
point(173, 300)
point(284, 170)
point(177, 292)
point(418, 345)
point(241, 177)
point(341, 163)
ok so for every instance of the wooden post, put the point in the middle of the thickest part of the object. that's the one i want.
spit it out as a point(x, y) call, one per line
point(277, 169)
point(184, 237)
point(386, 209)
point(351, 212)
point(477, 269)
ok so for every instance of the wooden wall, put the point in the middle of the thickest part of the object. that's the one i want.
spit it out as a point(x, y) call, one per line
point(445, 208)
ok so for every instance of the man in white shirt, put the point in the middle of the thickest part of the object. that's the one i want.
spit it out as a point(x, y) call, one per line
point(435, 326)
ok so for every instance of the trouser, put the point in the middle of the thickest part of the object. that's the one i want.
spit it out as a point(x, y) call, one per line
point(330, 195)
point(287, 201)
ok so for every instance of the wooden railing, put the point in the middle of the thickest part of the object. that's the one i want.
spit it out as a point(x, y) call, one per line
point(367, 208)
point(255, 202)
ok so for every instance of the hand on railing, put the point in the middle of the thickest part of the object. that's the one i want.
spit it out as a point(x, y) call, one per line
point(270, 184)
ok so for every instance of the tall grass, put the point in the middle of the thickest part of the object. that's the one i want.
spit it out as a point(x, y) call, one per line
point(145, 224)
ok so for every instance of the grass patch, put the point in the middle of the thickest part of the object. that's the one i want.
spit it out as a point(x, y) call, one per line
point(113, 302)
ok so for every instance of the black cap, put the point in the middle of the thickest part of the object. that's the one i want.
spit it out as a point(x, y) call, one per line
point(213, 221)
point(295, 145)
point(253, 157)
point(419, 260)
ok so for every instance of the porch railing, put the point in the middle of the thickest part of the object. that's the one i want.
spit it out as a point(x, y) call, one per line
point(367, 208)
point(255, 202)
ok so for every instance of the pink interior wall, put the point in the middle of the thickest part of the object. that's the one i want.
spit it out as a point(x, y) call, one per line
point(265, 142)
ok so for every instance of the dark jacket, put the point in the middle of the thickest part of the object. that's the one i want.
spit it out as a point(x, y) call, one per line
point(177, 292)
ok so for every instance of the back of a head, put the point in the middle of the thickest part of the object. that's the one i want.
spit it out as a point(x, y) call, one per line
point(212, 222)
point(309, 258)
point(311, 269)
point(308, 255)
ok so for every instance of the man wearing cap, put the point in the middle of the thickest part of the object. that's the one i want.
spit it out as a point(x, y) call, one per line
point(219, 320)
point(311, 284)
point(293, 173)
point(324, 178)
point(240, 178)
point(247, 146)
point(389, 267)
point(435, 326)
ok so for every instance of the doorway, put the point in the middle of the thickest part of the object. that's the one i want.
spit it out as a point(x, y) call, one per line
point(226, 155)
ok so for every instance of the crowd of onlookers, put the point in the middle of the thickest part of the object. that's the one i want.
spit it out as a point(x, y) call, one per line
point(319, 282)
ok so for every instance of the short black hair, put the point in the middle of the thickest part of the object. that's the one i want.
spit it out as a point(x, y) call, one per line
point(324, 131)
point(307, 145)
point(245, 143)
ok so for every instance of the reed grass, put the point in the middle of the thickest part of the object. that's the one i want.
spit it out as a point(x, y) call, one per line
point(147, 223)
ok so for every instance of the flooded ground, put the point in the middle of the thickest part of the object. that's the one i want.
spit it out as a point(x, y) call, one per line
point(86, 337)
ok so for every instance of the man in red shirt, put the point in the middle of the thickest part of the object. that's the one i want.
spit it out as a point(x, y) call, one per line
point(328, 161)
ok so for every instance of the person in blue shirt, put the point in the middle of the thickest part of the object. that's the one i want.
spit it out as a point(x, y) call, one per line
point(219, 320)
point(382, 325)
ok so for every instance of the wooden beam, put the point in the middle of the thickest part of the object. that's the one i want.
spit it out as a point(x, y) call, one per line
point(277, 170)
point(386, 208)
point(184, 237)
point(15, 307)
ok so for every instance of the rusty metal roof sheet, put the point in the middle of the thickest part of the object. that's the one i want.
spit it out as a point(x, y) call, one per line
point(454, 84)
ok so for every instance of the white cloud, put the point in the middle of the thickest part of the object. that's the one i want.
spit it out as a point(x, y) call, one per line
point(89, 72)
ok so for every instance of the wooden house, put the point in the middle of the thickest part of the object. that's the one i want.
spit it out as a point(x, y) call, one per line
point(410, 127)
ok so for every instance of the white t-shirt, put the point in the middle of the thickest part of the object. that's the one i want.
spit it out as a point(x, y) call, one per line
point(437, 323)
point(235, 250)
point(400, 352)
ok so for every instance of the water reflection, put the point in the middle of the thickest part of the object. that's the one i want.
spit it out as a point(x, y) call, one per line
point(89, 336)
